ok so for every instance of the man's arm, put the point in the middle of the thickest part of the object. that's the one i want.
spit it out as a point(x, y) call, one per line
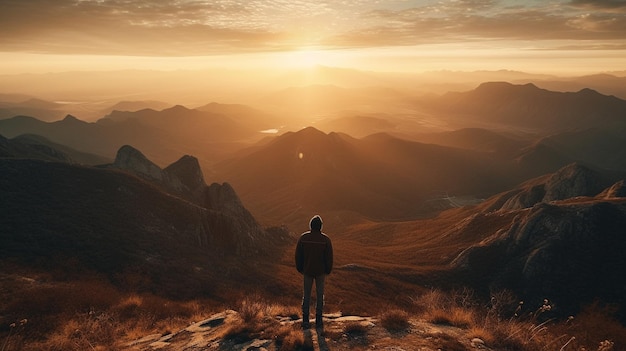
point(329, 256)
point(299, 258)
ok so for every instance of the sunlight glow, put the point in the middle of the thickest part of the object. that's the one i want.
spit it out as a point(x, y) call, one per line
point(309, 58)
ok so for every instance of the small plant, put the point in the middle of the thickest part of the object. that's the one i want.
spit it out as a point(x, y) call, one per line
point(395, 320)
point(355, 329)
point(15, 329)
point(291, 341)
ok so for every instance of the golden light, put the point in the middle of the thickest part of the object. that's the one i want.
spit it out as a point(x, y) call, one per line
point(308, 58)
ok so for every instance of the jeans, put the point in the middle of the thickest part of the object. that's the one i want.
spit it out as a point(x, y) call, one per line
point(306, 299)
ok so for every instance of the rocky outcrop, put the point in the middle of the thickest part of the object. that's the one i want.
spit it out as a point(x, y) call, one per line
point(132, 160)
point(569, 182)
point(616, 190)
point(185, 175)
point(570, 253)
point(184, 179)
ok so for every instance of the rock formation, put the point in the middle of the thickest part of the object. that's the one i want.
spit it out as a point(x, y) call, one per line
point(185, 176)
point(130, 159)
point(571, 253)
point(184, 179)
point(571, 181)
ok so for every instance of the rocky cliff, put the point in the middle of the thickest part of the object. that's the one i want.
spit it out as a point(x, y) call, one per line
point(184, 178)
point(571, 252)
point(130, 159)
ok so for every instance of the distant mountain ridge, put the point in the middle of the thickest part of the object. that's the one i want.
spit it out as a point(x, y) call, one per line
point(43, 110)
point(163, 135)
point(529, 106)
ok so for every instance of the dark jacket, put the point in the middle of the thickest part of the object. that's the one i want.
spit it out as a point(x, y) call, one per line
point(314, 254)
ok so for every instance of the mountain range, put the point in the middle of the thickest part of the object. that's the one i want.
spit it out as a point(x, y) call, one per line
point(209, 132)
point(503, 105)
point(527, 194)
point(386, 175)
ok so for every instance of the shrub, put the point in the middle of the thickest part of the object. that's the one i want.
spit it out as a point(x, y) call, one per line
point(293, 340)
point(395, 320)
point(355, 329)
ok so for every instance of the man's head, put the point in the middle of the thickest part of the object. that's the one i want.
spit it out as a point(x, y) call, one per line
point(316, 223)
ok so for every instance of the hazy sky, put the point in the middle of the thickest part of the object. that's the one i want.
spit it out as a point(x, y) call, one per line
point(566, 36)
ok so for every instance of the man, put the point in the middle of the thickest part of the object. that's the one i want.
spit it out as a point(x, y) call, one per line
point(314, 259)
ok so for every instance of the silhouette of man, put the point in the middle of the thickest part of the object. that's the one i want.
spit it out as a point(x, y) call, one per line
point(314, 259)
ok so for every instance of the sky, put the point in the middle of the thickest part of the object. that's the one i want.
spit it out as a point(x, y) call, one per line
point(565, 36)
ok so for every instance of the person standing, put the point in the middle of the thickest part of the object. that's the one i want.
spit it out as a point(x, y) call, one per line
point(314, 260)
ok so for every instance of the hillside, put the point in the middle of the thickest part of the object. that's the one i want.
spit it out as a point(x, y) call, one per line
point(38, 147)
point(113, 223)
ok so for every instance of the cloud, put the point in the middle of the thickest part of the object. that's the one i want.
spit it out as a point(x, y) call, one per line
point(601, 4)
point(202, 27)
point(458, 21)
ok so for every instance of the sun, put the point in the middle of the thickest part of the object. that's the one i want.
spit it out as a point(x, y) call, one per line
point(307, 58)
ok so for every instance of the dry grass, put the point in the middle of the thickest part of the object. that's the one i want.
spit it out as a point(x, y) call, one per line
point(257, 319)
point(500, 326)
point(92, 315)
point(355, 329)
point(456, 316)
point(87, 314)
point(395, 320)
point(481, 333)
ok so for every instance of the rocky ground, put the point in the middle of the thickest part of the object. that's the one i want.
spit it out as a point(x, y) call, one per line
point(339, 333)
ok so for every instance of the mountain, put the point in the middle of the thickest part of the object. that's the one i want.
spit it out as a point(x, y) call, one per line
point(378, 176)
point(243, 114)
point(382, 177)
point(601, 147)
point(570, 252)
point(556, 237)
point(527, 106)
point(163, 135)
point(112, 222)
point(86, 136)
point(185, 123)
point(38, 147)
point(135, 106)
point(476, 139)
point(43, 110)
point(606, 83)
point(574, 180)
point(358, 126)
